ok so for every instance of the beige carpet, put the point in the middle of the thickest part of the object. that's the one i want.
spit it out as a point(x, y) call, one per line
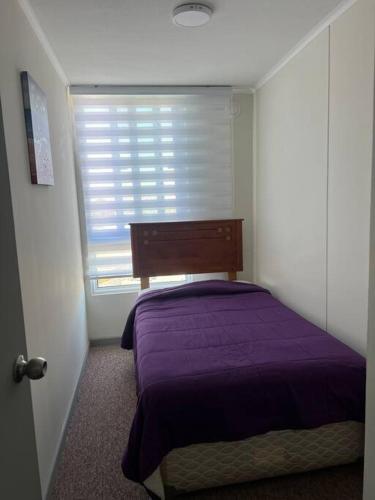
point(97, 434)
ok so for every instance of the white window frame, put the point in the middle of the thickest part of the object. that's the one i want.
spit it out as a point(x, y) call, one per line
point(120, 289)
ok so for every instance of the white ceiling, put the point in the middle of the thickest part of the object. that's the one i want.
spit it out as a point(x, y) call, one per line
point(134, 42)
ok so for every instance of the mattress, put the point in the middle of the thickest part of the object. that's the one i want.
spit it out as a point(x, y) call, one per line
point(209, 465)
point(225, 362)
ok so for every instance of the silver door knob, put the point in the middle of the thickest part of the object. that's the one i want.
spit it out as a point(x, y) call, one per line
point(35, 368)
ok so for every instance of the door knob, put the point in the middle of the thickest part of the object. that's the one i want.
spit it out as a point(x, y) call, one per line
point(35, 368)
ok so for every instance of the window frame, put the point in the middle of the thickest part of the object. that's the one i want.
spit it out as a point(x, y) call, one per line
point(136, 288)
point(77, 90)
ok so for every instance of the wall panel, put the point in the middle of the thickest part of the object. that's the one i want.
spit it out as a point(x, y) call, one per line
point(291, 181)
point(313, 192)
point(349, 184)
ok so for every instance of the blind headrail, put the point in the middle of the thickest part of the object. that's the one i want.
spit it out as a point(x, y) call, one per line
point(148, 90)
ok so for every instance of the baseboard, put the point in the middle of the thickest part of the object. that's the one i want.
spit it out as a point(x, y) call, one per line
point(65, 428)
point(103, 342)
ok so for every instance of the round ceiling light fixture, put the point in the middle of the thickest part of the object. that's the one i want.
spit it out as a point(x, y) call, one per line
point(192, 15)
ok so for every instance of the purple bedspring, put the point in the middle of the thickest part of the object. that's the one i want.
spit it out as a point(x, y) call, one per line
point(224, 361)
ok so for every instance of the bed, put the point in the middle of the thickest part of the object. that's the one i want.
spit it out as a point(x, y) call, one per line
point(232, 385)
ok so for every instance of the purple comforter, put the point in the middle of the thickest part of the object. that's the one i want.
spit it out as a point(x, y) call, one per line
point(224, 361)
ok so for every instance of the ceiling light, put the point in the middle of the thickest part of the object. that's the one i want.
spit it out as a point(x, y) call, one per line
point(191, 15)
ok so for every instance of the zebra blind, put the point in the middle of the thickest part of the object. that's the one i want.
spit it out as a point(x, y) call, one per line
point(146, 158)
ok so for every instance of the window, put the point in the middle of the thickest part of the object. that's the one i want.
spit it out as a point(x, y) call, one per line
point(128, 283)
point(146, 158)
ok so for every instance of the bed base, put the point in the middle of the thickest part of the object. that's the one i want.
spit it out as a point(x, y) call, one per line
point(277, 453)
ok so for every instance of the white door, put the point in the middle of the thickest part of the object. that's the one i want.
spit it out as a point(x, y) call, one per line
point(19, 473)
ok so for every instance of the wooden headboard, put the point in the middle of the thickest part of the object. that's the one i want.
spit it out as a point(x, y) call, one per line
point(190, 247)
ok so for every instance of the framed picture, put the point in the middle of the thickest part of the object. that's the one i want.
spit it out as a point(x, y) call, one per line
point(37, 131)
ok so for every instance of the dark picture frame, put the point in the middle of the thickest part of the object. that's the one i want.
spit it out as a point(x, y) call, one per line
point(37, 131)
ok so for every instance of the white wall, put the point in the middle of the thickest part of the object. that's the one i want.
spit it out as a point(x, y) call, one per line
point(313, 194)
point(290, 181)
point(349, 180)
point(369, 476)
point(107, 314)
point(47, 234)
point(243, 176)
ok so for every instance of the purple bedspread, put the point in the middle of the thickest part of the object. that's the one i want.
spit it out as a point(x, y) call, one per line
point(224, 361)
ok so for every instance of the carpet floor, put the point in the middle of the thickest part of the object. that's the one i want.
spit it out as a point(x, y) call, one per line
point(89, 467)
